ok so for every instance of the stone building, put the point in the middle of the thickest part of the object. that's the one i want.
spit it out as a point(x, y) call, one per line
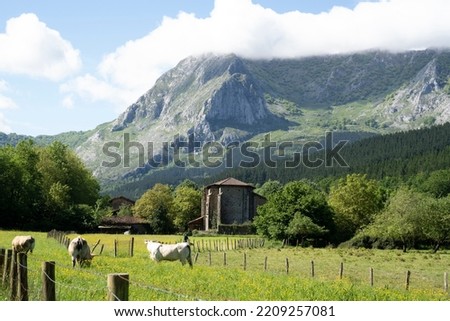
point(117, 203)
point(228, 202)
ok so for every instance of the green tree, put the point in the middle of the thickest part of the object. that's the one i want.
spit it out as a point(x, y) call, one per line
point(155, 205)
point(10, 194)
point(438, 183)
point(401, 220)
point(302, 227)
point(59, 164)
point(296, 211)
point(186, 205)
point(269, 188)
point(435, 220)
point(355, 201)
point(43, 187)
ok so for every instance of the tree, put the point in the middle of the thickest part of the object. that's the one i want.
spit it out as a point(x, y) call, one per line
point(296, 211)
point(59, 164)
point(401, 219)
point(10, 189)
point(355, 201)
point(269, 188)
point(155, 205)
point(301, 227)
point(186, 205)
point(438, 183)
point(42, 187)
point(435, 220)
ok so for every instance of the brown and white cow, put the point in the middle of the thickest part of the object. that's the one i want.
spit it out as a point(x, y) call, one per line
point(23, 243)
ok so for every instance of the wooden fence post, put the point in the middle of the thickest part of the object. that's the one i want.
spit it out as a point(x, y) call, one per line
point(408, 276)
point(115, 248)
point(445, 281)
point(118, 285)
point(265, 263)
point(131, 246)
point(2, 261)
point(13, 277)
point(224, 258)
point(312, 268)
point(22, 267)
point(48, 281)
point(287, 265)
point(6, 267)
point(371, 276)
point(209, 258)
point(341, 270)
point(245, 261)
point(196, 257)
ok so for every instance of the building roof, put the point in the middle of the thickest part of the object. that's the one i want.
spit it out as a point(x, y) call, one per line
point(121, 198)
point(122, 220)
point(230, 181)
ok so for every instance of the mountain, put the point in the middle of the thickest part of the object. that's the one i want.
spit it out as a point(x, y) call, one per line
point(229, 100)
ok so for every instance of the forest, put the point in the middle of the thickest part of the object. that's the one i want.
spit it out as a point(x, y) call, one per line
point(395, 193)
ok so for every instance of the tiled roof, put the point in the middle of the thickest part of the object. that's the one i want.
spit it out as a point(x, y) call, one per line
point(118, 220)
point(230, 181)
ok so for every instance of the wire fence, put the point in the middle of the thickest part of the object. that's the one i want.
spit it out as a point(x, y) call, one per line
point(38, 282)
point(35, 281)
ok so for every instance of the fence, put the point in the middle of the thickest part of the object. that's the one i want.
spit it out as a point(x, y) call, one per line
point(228, 244)
point(14, 276)
point(126, 248)
point(120, 248)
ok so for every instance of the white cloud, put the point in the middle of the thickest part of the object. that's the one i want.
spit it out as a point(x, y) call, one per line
point(68, 102)
point(5, 102)
point(3, 85)
point(93, 89)
point(252, 31)
point(29, 47)
point(4, 126)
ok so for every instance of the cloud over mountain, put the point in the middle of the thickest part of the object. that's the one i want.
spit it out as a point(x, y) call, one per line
point(252, 31)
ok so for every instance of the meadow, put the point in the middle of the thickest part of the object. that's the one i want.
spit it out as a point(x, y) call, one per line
point(258, 274)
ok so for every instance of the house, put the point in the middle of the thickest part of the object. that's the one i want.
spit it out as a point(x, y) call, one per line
point(117, 203)
point(227, 202)
point(124, 224)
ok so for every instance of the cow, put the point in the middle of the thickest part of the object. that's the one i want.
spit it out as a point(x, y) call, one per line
point(23, 244)
point(80, 252)
point(170, 252)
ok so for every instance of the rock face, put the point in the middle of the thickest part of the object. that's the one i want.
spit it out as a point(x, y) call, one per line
point(422, 97)
point(227, 99)
point(205, 94)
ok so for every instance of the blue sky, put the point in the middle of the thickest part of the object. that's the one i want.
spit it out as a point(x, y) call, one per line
point(71, 65)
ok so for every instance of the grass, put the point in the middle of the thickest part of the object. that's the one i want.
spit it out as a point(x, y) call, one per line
point(211, 280)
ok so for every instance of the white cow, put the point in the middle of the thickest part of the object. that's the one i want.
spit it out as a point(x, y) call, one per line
point(170, 252)
point(80, 251)
point(23, 243)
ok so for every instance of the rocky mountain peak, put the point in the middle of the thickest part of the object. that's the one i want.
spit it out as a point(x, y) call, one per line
point(208, 93)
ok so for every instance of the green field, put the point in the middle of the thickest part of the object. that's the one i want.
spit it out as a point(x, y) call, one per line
point(261, 280)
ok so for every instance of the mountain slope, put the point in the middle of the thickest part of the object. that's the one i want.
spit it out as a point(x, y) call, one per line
point(229, 100)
